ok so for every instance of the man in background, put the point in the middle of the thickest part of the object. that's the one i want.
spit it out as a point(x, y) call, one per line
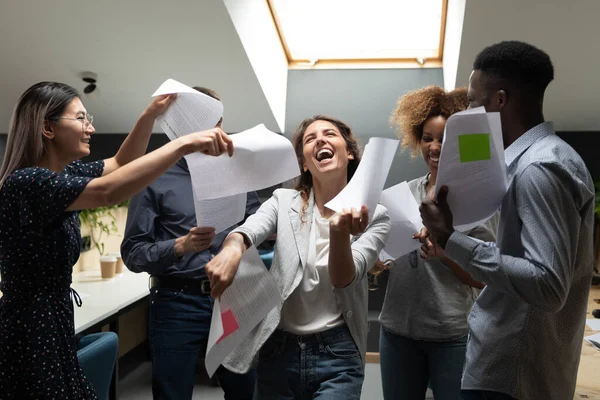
point(162, 239)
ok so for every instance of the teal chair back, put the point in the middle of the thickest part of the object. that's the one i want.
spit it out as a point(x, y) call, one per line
point(97, 355)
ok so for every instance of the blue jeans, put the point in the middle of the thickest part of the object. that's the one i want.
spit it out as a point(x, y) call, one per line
point(179, 326)
point(484, 395)
point(326, 365)
point(408, 365)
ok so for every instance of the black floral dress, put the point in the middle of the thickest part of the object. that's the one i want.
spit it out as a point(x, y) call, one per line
point(39, 243)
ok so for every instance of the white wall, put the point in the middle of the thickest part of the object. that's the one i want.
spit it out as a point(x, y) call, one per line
point(566, 30)
point(258, 34)
point(364, 99)
point(454, 28)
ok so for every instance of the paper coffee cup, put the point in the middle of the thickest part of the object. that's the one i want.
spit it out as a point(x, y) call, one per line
point(119, 266)
point(108, 265)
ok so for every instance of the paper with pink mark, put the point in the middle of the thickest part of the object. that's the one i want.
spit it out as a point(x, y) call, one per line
point(251, 296)
point(229, 324)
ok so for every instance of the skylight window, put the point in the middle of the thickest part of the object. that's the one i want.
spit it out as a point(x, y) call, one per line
point(369, 31)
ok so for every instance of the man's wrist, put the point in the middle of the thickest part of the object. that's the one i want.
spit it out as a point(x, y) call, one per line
point(179, 247)
point(443, 238)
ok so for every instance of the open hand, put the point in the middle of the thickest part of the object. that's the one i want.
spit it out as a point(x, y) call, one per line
point(429, 248)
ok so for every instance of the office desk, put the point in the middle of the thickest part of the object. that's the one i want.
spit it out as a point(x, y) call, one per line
point(588, 377)
point(104, 300)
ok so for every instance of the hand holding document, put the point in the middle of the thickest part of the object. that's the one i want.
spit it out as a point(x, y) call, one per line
point(367, 183)
point(472, 166)
point(406, 220)
point(261, 159)
point(249, 298)
point(192, 111)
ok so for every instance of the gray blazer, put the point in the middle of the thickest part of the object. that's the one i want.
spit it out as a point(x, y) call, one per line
point(283, 214)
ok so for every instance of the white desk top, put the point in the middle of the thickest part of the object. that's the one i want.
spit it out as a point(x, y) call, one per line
point(105, 297)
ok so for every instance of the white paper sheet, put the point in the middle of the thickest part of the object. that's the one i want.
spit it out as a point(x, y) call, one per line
point(404, 213)
point(472, 166)
point(367, 183)
point(242, 306)
point(595, 338)
point(594, 324)
point(261, 159)
point(192, 111)
point(220, 213)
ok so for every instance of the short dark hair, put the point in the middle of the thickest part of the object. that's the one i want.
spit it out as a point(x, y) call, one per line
point(518, 64)
point(207, 91)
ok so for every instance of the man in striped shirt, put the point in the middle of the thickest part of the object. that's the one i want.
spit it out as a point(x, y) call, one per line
point(527, 325)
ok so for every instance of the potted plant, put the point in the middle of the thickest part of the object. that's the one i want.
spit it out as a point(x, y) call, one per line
point(97, 224)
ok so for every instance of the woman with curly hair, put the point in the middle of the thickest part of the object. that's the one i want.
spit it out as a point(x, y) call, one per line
point(424, 316)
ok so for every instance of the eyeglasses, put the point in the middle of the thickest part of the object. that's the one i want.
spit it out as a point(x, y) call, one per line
point(85, 121)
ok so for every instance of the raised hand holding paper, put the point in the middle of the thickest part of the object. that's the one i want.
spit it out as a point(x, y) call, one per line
point(367, 183)
point(192, 111)
point(472, 166)
point(261, 159)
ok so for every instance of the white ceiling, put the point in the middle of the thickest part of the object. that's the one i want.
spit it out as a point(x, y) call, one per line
point(133, 46)
point(566, 29)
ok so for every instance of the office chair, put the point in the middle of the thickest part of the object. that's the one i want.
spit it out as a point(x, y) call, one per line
point(97, 354)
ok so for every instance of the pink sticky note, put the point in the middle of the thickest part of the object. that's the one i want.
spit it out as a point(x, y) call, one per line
point(230, 324)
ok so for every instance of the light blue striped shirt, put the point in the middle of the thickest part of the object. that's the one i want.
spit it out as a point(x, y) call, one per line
point(527, 325)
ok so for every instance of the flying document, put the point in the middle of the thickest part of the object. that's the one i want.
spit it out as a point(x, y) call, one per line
point(192, 111)
point(250, 297)
point(472, 166)
point(261, 159)
point(406, 220)
point(220, 213)
point(367, 182)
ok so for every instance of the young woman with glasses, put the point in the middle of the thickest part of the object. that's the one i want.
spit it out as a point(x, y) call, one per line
point(42, 186)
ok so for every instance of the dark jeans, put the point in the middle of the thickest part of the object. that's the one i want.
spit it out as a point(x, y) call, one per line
point(484, 395)
point(408, 365)
point(179, 326)
point(326, 365)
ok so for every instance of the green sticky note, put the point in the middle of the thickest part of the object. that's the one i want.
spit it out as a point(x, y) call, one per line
point(474, 147)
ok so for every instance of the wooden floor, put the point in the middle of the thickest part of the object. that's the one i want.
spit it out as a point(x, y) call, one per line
point(588, 377)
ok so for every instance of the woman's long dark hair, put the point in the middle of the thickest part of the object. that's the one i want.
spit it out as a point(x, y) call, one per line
point(44, 101)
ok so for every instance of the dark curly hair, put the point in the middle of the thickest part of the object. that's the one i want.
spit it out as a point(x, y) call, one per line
point(416, 107)
point(516, 64)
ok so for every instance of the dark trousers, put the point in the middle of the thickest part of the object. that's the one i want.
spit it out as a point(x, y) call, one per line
point(484, 395)
point(179, 326)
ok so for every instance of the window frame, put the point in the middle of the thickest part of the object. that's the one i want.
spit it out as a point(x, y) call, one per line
point(362, 63)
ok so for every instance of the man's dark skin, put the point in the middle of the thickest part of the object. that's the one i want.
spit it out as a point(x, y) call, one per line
point(520, 108)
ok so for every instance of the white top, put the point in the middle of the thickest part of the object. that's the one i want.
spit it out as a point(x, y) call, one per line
point(312, 307)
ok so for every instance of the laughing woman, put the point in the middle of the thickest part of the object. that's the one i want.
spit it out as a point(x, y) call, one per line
point(424, 314)
point(313, 344)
